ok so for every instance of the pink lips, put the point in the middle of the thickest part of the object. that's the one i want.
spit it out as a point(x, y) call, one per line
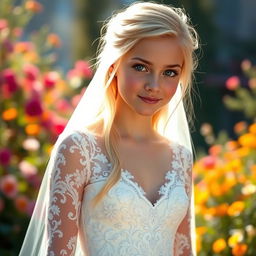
point(149, 100)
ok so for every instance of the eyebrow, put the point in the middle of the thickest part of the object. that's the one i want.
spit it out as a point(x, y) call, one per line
point(149, 63)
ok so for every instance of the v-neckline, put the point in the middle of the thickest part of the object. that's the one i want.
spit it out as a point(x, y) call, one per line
point(125, 173)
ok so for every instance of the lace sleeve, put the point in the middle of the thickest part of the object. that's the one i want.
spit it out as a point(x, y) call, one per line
point(184, 239)
point(69, 176)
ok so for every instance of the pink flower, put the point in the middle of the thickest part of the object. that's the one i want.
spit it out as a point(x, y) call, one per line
point(84, 68)
point(33, 107)
point(63, 105)
point(3, 24)
point(31, 72)
point(233, 83)
point(209, 162)
point(10, 80)
point(21, 203)
point(9, 185)
point(75, 100)
point(17, 32)
point(27, 169)
point(5, 156)
point(50, 79)
point(59, 127)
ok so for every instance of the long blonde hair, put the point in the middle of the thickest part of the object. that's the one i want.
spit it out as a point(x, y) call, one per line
point(118, 36)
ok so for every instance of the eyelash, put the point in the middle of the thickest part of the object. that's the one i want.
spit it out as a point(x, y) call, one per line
point(135, 66)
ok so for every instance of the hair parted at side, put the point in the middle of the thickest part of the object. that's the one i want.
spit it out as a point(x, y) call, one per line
point(118, 35)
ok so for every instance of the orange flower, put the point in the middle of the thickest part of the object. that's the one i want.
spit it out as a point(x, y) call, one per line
point(219, 245)
point(252, 128)
point(221, 210)
point(215, 150)
point(33, 6)
point(231, 145)
point(21, 203)
point(252, 83)
point(201, 230)
point(54, 40)
point(248, 140)
point(236, 208)
point(9, 114)
point(32, 129)
point(239, 249)
point(240, 127)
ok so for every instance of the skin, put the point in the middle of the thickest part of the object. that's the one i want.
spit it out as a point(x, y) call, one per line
point(151, 69)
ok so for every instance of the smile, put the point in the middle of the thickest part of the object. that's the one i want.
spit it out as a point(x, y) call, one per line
point(149, 100)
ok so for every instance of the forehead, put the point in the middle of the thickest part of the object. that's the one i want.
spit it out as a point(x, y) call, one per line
point(163, 49)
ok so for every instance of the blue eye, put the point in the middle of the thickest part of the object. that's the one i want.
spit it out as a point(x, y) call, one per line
point(170, 73)
point(139, 67)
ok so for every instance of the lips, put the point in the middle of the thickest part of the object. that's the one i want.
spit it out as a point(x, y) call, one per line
point(149, 100)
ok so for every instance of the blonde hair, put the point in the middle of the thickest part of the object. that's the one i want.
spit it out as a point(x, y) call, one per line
point(119, 35)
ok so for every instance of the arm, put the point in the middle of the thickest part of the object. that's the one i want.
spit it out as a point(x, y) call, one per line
point(67, 181)
point(184, 238)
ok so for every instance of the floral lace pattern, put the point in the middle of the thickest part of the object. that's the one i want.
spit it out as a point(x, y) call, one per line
point(125, 222)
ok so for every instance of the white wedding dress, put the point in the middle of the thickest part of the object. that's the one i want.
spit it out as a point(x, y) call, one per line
point(125, 222)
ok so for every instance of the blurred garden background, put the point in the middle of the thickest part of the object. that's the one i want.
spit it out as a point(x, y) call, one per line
point(46, 49)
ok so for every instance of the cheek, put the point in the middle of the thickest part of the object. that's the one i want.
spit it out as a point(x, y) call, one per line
point(128, 84)
point(171, 89)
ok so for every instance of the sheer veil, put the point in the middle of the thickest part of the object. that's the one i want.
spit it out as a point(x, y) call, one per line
point(35, 242)
point(174, 127)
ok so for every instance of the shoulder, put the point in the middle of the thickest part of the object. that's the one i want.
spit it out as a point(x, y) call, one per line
point(184, 154)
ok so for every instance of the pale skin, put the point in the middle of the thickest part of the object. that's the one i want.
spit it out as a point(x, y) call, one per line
point(147, 78)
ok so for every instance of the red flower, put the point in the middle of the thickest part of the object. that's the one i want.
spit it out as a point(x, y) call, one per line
point(233, 83)
point(5, 156)
point(209, 162)
point(50, 79)
point(33, 107)
point(10, 81)
point(9, 185)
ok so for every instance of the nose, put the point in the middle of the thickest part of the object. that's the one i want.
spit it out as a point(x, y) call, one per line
point(152, 83)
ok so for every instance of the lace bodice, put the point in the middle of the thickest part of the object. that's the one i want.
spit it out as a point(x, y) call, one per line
point(125, 222)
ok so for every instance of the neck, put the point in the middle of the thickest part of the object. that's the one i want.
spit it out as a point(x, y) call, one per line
point(130, 125)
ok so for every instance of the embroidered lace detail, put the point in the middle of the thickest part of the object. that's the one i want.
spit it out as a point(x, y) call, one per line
point(124, 223)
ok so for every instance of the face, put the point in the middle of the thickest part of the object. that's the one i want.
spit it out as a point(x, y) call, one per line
point(148, 75)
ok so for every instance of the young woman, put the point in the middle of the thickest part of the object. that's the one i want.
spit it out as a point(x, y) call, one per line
point(119, 179)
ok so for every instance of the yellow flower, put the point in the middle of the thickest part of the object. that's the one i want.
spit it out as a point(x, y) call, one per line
point(236, 208)
point(9, 114)
point(235, 239)
point(239, 249)
point(219, 245)
point(248, 140)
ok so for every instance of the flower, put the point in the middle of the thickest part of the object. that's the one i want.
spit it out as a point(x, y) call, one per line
point(32, 129)
point(248, 140)
point(33, 107)
point(239, 249)
point(54, 40)
point(252, 128)
point(5, 156)
point(240, 127)
point(9, 185)
point(50, 79)
point(236, 208)
point(10, 80)
point(3, 24)
point(219, 245)
point(31, 144)
point(209, 162)
point(27, 169)
point(31, 72)
point(9, 114)
point(236, 237)
point(252, 83)
point(233, 83)
point(84, 68)
point(21, 203)
point(33, 6)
